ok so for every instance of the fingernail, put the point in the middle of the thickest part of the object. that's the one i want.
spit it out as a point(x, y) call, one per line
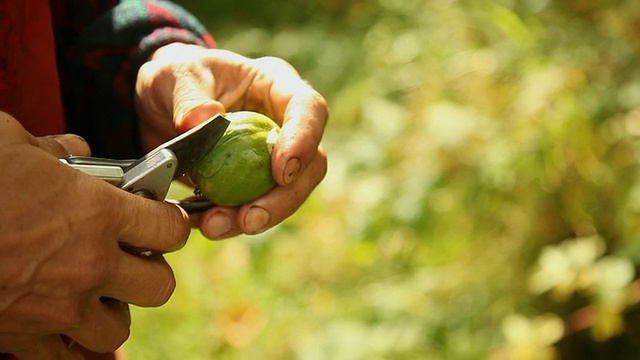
point(291, 170)
point(196, 111)
point(256, 220)
point(217, 226)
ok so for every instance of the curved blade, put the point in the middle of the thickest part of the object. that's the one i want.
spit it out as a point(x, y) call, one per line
point(190, 146)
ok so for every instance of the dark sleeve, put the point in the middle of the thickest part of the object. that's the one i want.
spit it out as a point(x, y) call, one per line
point(99, 57)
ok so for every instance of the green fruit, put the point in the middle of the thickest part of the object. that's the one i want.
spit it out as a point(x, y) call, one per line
point(238, 168)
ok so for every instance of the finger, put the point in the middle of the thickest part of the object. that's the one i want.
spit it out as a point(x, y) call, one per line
point(193, 99)
point(269, 210)
point(301, 111)
point(13, 132)
point(192, 113)
point(304, 123)
point(264, 213)
point(220, 223)
point(58, 145)
point(282, 201)
point(106, 326)
point(151, 225)
point(141, 281)
point(62, 145)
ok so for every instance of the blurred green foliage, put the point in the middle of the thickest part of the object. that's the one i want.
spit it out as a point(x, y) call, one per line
point(482, 199)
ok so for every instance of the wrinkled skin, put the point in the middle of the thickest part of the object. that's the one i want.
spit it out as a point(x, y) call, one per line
point(189, 84)
point(62, 269)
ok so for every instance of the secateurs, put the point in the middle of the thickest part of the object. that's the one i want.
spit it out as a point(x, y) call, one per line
point(151, 175)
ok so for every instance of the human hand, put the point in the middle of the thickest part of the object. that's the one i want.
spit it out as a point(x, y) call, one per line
point(62, 266)
point(189, 84)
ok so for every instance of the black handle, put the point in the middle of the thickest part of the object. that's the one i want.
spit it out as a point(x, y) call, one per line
point(195, 206)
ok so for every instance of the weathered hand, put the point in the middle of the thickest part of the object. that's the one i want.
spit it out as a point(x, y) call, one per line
point(188, 84)
point(62, 267)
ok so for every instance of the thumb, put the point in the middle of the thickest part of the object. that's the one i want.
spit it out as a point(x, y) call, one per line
point(191, 105)
point(58, 145)
point(191, 117)
point(63, 144)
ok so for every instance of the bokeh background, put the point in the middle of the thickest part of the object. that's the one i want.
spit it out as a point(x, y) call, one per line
point(482, 199)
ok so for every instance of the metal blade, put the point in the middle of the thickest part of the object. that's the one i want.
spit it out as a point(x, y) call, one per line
point(191, 146)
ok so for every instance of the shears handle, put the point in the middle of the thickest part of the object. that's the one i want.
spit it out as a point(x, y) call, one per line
point(108, 170)
point(151, 178)
point(194, 206)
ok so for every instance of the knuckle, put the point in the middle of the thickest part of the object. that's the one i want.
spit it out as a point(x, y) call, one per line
point(156, 72)
point(323, 104)
point(65, 318)
point(320, 104)
point(149, 69)
point(96, 269)
point(271, 61)
point(189, 71)
point(276, 67)
point(52, 145)
point(98, 274)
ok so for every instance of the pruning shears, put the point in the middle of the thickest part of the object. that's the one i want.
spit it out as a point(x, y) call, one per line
point(151, 175)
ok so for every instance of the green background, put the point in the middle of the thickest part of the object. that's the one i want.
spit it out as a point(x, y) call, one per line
point(482, 199)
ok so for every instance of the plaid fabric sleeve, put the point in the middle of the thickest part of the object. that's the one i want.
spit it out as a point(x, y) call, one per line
point(99, 67)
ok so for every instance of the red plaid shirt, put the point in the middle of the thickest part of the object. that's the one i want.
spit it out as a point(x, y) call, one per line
point(99, 47)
